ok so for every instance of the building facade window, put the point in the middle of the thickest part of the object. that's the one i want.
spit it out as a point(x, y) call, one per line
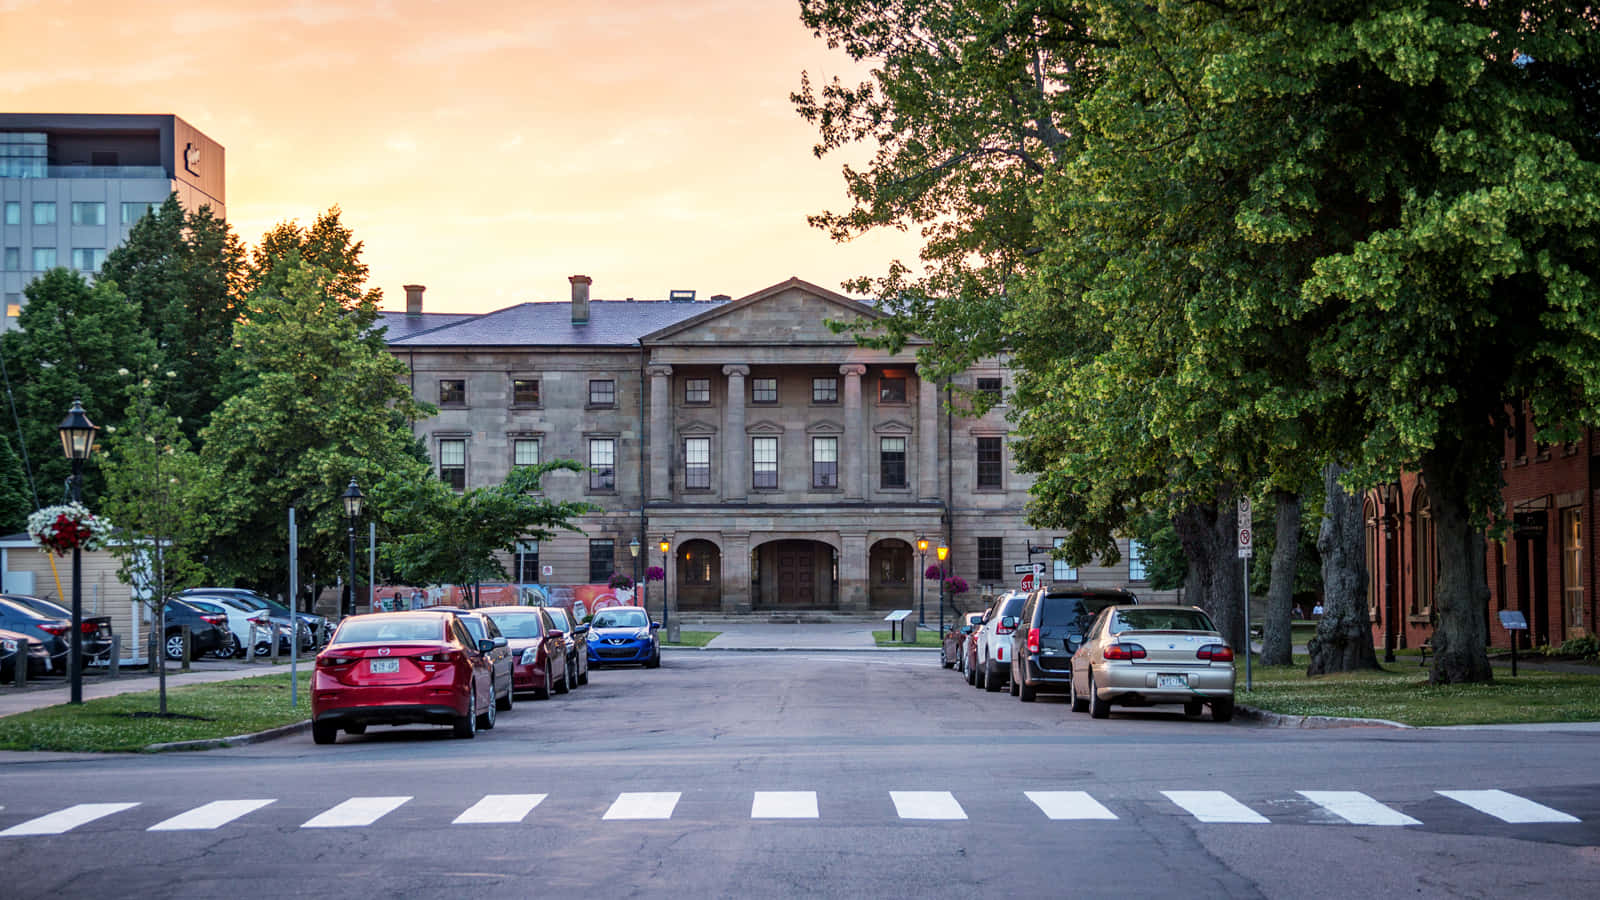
point(894, 564)
point(991, 560)
point(990, 388)
point(697, 464)
point(892, 462)
point(92, 213)
point(13, 212)
point(1372, 526)
point(133, 212)
point(1425, 555)
point(989, 462)
point(1572, 566)
point(44, 213)
point(524, 452)
point(697, 391)
point(453, 463)
point(891, 389)
point(602, 392)
point(764, 390)
point(528, 562)
point(824, 462)
point(525, 392)
point(602, 464)
point(44, 258)
point(13, 259)
point(1136, 562)
point(602, 560)
point(764, 463)
point(825, 390)
point(1059, 569)
point(88, 259)
point(13, 305)
point(452, 392)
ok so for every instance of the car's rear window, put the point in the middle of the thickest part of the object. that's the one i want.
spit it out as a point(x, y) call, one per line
point(558, 615)
point(518, 625)
point(356, 631)
point(1072, 612)
point(1160, 620)
point(1012, 606)
point(474, 626)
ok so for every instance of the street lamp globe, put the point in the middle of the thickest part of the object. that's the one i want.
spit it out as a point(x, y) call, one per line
point(77, 433)
point(352, 501)
point(633, 548)
point(922, 545)
point(943, 552)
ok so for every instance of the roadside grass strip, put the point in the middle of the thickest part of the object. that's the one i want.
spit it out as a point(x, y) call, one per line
point(693, 639)
point(926, 637)
point(1402, 694)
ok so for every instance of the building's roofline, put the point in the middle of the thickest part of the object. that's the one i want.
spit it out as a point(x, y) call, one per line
point(855, 307)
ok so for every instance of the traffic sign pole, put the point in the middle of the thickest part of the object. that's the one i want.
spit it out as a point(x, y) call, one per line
point(1245, 524)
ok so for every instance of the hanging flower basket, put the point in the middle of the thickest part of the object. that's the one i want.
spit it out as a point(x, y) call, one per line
point(62, 529)
point(933, 573)
point(655, 573)
point(619, 580)
point(955, 584)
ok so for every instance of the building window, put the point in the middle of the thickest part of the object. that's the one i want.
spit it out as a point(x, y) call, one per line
point(892, 462)
point(891, 390)
point(697, 563)
point(88, 259)
point(525, 451)
point(528, 562)
point(764, 390)
point(602, 392)
point(13, 259)
point(988, 462)
point(1136, 570)
point(1059, 569)
point(602, 464)
point(602, 560)
point(825, 390)
point(44, 258)
point(825, 462)
point(1572, 565)
point(991, 560)
point(1424, 554)
point(453, 463)
point(990, 389)
point(13, 212)
point(452, 392)
point(764, 462)
point(697, 464)
point(697, 391)
point(13, 305)
point(133, 212)
point(88, 213)
point(525, 392)
point(894, 563)
point(1369, 516)
point(44, 213)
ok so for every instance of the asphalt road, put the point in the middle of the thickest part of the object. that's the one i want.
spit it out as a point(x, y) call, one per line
point(828, 774)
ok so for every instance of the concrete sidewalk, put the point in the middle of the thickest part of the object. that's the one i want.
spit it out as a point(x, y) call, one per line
point(55, 690)
point(851, 636)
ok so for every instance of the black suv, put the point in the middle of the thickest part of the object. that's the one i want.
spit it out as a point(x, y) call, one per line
point(207, 631)
point(1053, 624)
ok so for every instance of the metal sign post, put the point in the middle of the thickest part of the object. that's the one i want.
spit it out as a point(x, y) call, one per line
point(1513, 621)
point(1246, 548)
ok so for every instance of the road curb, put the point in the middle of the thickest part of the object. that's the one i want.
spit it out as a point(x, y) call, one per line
point(1281, 720)
point(237, 740)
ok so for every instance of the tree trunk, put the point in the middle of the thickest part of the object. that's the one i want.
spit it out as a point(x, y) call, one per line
point(1277, 640)
point(1216, 578)
point(1461, 597)
point(1343, 642)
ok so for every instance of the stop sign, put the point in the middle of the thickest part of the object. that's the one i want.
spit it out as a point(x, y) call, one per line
point(1027, 582)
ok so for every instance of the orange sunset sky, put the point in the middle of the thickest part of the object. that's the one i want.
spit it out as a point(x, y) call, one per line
point(485, 149)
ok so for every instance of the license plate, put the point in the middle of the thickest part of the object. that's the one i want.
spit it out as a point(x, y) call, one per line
point(1172, 681)
point(382, 666)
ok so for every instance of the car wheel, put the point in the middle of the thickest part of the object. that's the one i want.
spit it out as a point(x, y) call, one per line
point(993, 678)
point(1222, 709)
point(980, 675)
point(654, 662)
point(572, 674)
point(1011, 681)
point(566, 683)
point(543, 693)
point(1024, 691)
point(505, 705)
point(972, 676)
point(1098, 708)
point(357, 728)
point(486, 718)
point(230, 649)
point(467, 726)
point(1078, 701)
point(175, 645)
point(583, 677)
point(1194, 708)
point(324, 733)
point(263, 649)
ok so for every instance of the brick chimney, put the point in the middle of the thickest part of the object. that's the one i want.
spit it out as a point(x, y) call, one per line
point(414, 299)
point(580, 298)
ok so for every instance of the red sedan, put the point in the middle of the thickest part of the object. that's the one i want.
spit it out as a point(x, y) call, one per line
point(402, 669)
point(538, 649)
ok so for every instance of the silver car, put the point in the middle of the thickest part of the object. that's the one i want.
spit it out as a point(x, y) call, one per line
point(1147, 655)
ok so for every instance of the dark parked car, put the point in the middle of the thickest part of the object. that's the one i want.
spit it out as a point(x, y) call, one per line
point(577, 645)
point(96, 629)
point(953, 653)
point(314, 629)
point(208, 631)
point(38, 656)
point(1053, 623)
point(482, 628)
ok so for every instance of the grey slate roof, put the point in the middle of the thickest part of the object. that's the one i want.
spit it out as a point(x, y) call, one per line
point(612, 323)
point(400, 325)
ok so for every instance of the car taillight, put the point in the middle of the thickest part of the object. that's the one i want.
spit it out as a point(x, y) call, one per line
point(1001, 629)
point(1215, 653)
point(438, 657)
point(88, 627)
point(1033, 640)
point(1125, 651)
point(52, 628)
point(329, 662)
point(215, 620)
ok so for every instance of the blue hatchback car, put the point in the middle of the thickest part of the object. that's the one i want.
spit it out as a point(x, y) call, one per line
point(624, 634)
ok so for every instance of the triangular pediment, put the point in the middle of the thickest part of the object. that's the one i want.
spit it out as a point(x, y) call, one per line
point(765, 427)
point(793, 312)
point(892, 427)
point(697, 428)
point(825, 427)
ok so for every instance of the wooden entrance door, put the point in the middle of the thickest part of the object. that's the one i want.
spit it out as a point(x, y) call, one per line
point(797, 574)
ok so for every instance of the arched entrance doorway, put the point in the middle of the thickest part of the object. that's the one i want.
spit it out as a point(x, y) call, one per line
point(699, 575)
point(794, 575)
point(889, 575)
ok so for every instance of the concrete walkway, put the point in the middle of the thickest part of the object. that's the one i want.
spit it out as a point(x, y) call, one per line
point(835, 636)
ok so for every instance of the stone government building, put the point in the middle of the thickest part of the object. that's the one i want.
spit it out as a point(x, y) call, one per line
point(788, 467)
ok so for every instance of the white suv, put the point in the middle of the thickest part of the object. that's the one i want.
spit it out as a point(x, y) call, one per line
point(994, 641)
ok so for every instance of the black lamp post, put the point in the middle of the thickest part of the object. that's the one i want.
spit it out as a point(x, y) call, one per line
point(666, 609)
point(352, 511)
point(943, 552)
point(1388, 496)
point(922, 581)
point(633, 551)
point(77, 439)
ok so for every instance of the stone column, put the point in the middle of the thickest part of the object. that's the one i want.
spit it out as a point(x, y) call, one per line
point(853, 573)
point(852, 471)
point(735, 471)
point(736, 572)
point(927, 436)
point(660, 431)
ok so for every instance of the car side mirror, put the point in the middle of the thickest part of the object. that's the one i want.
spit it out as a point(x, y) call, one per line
point(500, 642)
point(556, 632)
point(654, 625)
point(1008, 622)
point(966, 629)
point(581, 629)
point(485, 645)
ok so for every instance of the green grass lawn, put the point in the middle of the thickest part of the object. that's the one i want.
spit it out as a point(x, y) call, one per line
point(692, 639)
point(128, 721)
point(1402, 694)
point(926, 637)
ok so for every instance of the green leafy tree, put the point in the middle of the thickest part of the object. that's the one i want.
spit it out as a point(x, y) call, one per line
point(16, 501)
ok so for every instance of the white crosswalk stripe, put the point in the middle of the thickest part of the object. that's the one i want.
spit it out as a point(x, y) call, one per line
point(211, 816)
point(1215, 807)
point(643, 805)
point(356, 812)
point(1508, 807)
point(784, 805)
point(927, 805)
point(1357, 808)
point(64, 820)
point(1069, 805)
point(500, 809)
